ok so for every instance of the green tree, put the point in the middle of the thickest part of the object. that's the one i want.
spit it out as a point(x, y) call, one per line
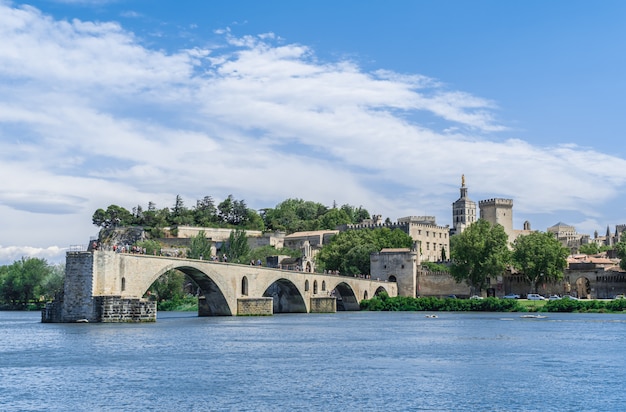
point(620, 250)
point(53, 283)
point(205, 213)
point(152, 246)
point(200, 247)
point(114, 216)
point(293, 215)
point(333, 218)
point(589, 249)
point(237, 248)
point(478, 253)
point(180, 215)
point(22, 281)
point(540, 257)
point(349, 251)
point(168, 286)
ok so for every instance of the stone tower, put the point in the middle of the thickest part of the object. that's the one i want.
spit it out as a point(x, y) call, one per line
point(463, 210)
point(498, 211)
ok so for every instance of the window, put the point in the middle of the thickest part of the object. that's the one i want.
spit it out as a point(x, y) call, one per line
point(123, 284)
point(323, 285)
point(315, 287)
point(244, 286)
point(306, 285)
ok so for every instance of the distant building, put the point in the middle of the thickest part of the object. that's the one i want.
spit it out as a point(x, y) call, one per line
point(433, 241)
point(568, 236)
point(463, 211)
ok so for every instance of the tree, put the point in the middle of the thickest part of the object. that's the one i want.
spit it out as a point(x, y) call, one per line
point(357, 215)
point(293, 215)
point(540, 257)
point(349, 252)
point(114, 216)
point(620, 250)
point(589, 249)
point(200, 247)
point(53, 283)
point(180, 215)
point(237, 248)
point(478, 253)
point(21, 281)
point(168, 286)
point(333, 218)
point(205, 212)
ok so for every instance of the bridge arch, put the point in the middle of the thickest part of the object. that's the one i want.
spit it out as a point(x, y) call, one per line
point(286, 297)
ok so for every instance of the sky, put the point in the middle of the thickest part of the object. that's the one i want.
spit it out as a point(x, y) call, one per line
point(379, 104)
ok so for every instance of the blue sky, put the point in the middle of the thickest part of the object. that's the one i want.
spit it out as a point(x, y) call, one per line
point(376, 104)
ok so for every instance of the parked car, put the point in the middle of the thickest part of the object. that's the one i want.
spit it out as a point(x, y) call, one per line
point(618, 296)
point(569, 297)
point(511, 296)
point(476, 297)
point(554, 297)
point(450, 297)
point(535, 296)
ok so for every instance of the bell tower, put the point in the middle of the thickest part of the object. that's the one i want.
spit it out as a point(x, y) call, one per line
point(463, 211)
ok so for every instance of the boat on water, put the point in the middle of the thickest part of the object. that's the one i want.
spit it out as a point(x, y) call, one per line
point(533, 316)
point(431, 316)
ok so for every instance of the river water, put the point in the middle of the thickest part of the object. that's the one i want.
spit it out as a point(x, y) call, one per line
point(349, 361)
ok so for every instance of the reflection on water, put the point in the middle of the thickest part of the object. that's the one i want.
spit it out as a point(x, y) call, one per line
point(343, 361)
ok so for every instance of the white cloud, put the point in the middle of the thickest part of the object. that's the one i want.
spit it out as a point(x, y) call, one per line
point(91, 117)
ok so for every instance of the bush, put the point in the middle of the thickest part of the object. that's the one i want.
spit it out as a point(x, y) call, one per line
point(403, 303)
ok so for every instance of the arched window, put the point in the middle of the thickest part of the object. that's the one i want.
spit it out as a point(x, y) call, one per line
point(244, 286)
point(306, 285)
point(392, 278)
point(123, 284)
point(365, 295)
point(315, 287)
point(323, 285)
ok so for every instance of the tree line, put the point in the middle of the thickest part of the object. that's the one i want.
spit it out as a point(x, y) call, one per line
point(291, 215)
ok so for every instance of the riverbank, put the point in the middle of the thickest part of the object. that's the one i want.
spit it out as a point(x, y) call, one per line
point(433, 304)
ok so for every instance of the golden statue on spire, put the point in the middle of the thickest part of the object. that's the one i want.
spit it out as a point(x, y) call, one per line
point(463, 180)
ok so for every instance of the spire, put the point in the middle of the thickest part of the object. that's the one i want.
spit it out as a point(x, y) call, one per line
point(463, 188)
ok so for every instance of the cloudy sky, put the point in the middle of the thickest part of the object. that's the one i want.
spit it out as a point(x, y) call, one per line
point(372, 103)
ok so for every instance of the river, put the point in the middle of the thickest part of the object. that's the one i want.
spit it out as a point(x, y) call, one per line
point(349, 361)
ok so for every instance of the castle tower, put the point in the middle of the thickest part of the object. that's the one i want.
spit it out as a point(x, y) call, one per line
point(498, 211)
point(463, 211)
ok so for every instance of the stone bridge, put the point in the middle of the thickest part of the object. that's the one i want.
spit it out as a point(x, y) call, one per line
point(105, 286)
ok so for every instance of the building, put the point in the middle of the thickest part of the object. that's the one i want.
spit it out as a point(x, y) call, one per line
point(463, 211)
point(433, 241)
point(568, 236)
point(310, 243)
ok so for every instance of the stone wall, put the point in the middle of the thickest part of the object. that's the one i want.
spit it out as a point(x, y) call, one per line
point(323, 305)
point(255, 307)
point(117, 309)
point(440, 284)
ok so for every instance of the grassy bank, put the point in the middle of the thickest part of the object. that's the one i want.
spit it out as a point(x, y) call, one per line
point(401, 303)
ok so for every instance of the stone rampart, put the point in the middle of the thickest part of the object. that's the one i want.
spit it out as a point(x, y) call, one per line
point(440, 284)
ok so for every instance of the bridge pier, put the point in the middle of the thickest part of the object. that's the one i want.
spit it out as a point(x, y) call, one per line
point(255, 306)
point(323, 304)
